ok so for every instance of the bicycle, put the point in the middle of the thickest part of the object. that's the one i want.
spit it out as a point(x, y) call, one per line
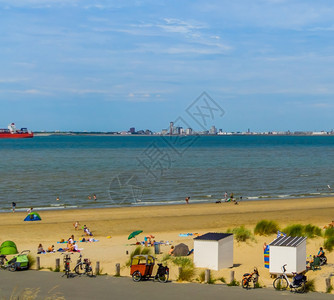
point(83, 267)
point(67, 260)
point(3, 261)
point(282, 282)
point(250, 277)
point(162, 273)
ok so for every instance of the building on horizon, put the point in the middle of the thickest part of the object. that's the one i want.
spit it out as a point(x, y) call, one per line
point(132, 130)
point(171, 128)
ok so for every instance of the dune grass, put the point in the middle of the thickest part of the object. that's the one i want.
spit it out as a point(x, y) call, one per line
point(309, 230)
point(266, 227)
point(186, 268)
point(242, 234)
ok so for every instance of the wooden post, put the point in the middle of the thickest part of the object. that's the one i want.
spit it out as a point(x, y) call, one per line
point(328, 283)
point(207, 276)
point(58, 264)
point(231, 276)
point(118, 270)
point(97, 268)
point(38, 263)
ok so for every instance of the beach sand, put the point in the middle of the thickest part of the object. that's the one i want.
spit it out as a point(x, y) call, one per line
point(166, 223)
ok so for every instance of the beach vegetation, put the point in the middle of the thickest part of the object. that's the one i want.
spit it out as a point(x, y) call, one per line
point(257, 285)
point(31, 260)
point(201, 276)
point(329, 232)
point(308, 230)
point(242, 234)
point(330, 289)
point(222, 279)
point(329, 243)
point(294, 230)
point(312, 231)
point(166, 258)
point(186, 268)
point(266, 227)
point(310, 286)
point(234, 283)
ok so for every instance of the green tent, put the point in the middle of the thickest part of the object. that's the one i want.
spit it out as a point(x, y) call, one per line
point(8, 247)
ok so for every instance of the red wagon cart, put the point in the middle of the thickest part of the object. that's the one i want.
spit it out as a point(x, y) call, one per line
point(142, 267)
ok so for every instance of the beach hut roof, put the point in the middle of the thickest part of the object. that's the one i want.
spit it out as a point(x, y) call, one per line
point(288, 241)
point(213, 236)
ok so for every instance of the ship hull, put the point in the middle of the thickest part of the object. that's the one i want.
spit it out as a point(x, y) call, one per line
point(16, 135)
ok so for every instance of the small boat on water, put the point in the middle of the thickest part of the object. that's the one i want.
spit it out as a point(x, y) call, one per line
point(12, 132)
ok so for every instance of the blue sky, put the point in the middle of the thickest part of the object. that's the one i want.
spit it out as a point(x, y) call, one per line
point(111, 65)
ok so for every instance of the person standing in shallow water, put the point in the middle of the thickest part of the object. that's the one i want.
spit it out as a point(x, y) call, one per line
point(187, 200)
point(95, 198)
point(13, 206)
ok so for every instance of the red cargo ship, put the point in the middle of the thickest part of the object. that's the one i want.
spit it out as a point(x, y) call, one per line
point(12, 132)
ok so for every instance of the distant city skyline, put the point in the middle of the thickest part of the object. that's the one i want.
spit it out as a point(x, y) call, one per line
point(110, 65)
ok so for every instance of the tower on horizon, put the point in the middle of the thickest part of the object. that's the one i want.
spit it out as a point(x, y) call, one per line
point(171, 127)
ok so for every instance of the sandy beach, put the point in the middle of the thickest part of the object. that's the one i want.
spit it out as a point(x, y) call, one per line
point(166, 223)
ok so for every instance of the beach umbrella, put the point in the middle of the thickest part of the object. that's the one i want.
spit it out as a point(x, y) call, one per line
point(134, 234)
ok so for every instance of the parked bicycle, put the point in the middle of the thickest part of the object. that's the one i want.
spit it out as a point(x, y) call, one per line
point(297, 285)
point(162, 273)
point(83, 267)
point(3, 261)
point(249, 278)
point(67, 260)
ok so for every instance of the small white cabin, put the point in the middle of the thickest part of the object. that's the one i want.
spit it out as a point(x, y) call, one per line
point(213, 250)
point(290, 251)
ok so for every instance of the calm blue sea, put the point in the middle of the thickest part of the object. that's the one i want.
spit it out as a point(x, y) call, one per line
point(144, 170)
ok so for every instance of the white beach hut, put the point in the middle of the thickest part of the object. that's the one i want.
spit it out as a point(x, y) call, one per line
point(290, 251)
point(213, 250)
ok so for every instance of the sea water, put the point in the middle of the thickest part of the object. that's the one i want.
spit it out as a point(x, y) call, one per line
point(147, 170)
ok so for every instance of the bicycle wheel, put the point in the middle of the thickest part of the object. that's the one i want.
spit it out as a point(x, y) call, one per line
point(163, 278)
point(280, 283)
point(78, 270)
point(89, 271)
point(12, 267)
point(245, 283)
point(301, 288)
point(136, 276)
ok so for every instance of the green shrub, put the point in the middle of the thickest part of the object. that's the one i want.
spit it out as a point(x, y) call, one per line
point(201, 276)
point(310, 286)
point(222, 279)
point(241, 234)
point(186, 273)
point(186, 270)
point(166, 257)
point(234, 283)
point(266, 227)
point(329, 243)
point(329, 289)
point(31, 260)
point(312, 231)
point(294, 230)
point(329, 232)
point(183, 262)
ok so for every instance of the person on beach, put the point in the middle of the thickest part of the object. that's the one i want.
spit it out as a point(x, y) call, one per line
point(51, 249)
point(95, 198)
point(40, 249)
point(225, 196)
point(171, 251)
point(13, 206)
point(187, 200)
point(76, 225)
point(321, 252)
point(89, 197)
